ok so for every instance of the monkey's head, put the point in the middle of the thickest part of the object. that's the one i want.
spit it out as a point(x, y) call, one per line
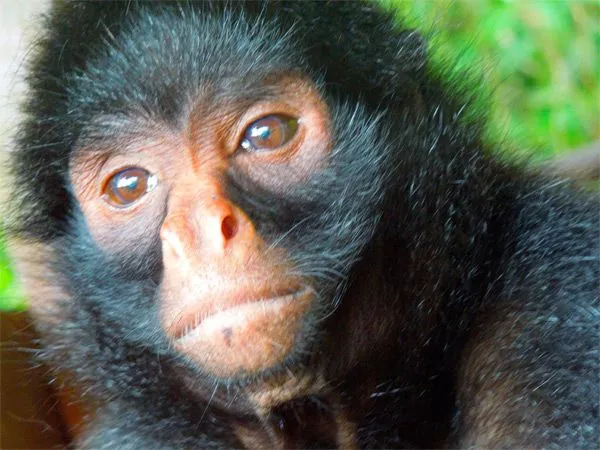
point(207, 176)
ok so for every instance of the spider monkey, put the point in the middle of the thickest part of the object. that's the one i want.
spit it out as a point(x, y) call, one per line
point(269, 224)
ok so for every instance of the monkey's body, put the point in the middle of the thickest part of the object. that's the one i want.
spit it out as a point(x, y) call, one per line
point(456, 298)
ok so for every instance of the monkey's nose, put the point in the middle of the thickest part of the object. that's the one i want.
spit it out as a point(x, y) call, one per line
point(208, 228)
point(219, 227)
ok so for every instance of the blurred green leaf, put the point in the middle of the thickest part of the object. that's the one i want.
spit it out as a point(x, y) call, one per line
point(10, 295)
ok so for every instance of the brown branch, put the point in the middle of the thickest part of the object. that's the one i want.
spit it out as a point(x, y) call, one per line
point(581, 165)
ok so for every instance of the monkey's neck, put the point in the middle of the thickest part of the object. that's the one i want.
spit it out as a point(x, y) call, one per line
point(303, 422)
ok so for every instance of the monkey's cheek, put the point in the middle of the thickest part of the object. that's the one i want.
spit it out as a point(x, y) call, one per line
point(247, 338)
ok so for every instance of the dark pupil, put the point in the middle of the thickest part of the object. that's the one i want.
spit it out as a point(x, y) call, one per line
point(128, 186)
point(269, 133)
point(261, 132)
point(127, 182)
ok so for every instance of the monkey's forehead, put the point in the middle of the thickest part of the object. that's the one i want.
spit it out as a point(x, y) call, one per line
point(152, 56)
point(162, 60)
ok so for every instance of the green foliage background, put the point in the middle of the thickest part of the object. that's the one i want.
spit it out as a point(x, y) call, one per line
point(10, 297)
point(541, 57)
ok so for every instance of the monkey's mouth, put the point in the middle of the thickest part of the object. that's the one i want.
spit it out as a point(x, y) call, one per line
point(246, 337)
point(227, 304)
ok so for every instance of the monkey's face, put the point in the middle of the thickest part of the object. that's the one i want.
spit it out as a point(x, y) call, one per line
point(218, 190)
point(229, 300)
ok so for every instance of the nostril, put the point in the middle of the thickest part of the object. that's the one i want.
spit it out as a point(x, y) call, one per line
point(229, 227)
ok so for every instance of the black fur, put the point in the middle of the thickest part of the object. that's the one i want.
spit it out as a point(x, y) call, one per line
point(459, 300)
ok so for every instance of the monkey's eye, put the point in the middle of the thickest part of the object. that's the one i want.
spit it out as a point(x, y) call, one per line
point(129, 185)
point(269, 133)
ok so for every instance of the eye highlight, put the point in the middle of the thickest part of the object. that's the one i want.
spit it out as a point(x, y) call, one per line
point(269, 133)
point(128, 186)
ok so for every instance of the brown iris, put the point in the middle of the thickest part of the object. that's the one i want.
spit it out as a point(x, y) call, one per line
point(269, 133)
point(128, 186)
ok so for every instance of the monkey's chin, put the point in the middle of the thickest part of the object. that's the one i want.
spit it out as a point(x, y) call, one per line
point(249, 338)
